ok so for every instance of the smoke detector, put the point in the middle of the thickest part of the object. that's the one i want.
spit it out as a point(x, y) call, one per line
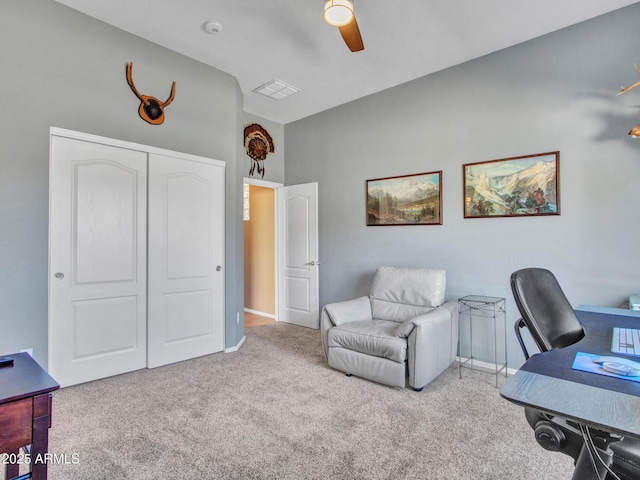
point(213, 27)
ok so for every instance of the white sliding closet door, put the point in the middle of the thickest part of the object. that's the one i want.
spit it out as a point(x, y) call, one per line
point(136, 252)
point(97, 271)
point(186, 255)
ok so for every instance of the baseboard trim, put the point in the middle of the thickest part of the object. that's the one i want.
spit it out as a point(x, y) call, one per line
point(237, 347)
point(262, 314)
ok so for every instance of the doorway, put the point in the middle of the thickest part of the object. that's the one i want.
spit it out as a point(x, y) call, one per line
point(260, 275)
point(294, 253)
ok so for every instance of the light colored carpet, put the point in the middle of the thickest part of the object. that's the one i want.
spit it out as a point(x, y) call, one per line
point(274, 410)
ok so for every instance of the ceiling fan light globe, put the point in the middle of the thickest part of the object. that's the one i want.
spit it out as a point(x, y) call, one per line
point(338, 12)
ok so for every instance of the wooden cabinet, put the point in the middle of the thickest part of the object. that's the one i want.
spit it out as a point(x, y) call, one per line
point(15, 424)
point(25, 415)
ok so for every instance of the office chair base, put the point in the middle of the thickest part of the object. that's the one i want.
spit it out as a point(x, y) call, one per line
point(585, 469)
point(549, 436)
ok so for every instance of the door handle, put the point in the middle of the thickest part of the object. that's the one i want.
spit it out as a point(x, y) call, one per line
point(312, 263)
point(59, 275)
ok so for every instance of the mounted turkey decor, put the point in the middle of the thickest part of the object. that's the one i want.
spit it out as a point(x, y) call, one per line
point(635, 131)
point(151, 109)
point(257, 143)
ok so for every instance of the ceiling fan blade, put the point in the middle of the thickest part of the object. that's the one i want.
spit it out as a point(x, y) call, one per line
point(351, 35)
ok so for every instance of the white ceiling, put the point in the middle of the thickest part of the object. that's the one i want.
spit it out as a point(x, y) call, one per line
point(288, 40)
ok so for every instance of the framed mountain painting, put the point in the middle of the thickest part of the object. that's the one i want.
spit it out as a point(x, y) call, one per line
point(405, 200)
point(513, 187)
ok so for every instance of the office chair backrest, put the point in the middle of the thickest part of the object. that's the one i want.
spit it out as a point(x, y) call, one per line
point(545, 309)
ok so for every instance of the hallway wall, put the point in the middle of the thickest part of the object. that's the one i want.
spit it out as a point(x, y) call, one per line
point(259, 252)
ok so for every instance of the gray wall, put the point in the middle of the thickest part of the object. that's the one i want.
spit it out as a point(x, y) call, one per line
point(557, 92)
point(64, 69)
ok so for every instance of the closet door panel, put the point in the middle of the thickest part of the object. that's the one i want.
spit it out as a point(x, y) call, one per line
point(186, 254)
point(187, 233)
point(187, 315)
point(97, 284)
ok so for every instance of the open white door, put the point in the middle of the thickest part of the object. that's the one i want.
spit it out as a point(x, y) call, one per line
point(298, 263)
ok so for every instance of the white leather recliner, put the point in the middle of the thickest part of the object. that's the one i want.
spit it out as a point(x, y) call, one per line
point(402, 329)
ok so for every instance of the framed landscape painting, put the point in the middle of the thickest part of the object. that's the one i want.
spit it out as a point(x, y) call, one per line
point(405, 200)
point(512, 187)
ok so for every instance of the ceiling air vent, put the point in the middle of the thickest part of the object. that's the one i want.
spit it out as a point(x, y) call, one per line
point(276, 90)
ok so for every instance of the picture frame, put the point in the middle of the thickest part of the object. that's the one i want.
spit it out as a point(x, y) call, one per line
point(526, 186)
point(405, 200)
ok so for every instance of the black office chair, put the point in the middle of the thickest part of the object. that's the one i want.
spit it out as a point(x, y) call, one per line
point(545, 310)
point(550, 319)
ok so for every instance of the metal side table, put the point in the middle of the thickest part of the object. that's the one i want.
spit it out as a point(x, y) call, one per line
point(475, 308)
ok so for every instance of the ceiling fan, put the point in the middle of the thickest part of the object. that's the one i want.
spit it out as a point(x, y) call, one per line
point(339, 13)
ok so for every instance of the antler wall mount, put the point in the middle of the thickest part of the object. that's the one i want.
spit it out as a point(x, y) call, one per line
point(635, 131)
point(151, 109)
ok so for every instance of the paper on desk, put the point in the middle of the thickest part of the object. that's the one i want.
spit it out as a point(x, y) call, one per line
point(584, 362)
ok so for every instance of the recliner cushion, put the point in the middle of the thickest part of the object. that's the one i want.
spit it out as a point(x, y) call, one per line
point(396, 312)
point(400, 293)
point(377, 338)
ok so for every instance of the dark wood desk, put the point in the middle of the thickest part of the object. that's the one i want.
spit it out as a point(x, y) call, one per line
point(25, 414)
point(546, 382)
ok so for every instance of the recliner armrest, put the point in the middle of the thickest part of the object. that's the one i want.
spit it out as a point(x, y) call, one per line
point(449, 309)
point(426, 319)
point(356, 310)
point(432, 344)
